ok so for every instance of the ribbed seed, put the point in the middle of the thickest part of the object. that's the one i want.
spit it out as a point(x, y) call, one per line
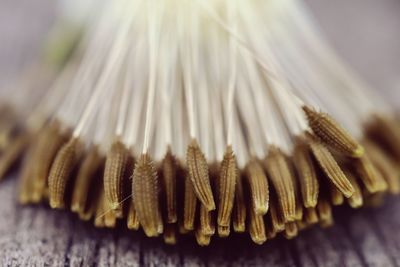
point(311, 216)
point(60, 172)
point(226, 187)
point(324, 210)
point(181, 228)
point(369, 175)
point(276, 217)
point(297, 193)
point(281, 177)
point(207, 225)
point(291, 230)
point(48, 144)
point(331, 168)
point(169, 173)
point(198, 173)
point(239, 209)
point(258, 185)
point(307, 174)
point(12, 153)
point(114, 176)
point(224, 231)
point(132, 220)
point(385, 166)
point(299, 208)
point(257, 228)
point(202, 239)
point(145, 190)
point(26, 182)
point(189, 205)
point(91, 205)
point(86, 173)
point(110, 218)
point(99, 214)
point(170, 234)
point(356, 200)
point(87, 213)
point(337, 197)
point(332, 133)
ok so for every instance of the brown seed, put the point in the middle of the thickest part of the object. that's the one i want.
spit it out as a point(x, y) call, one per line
point(369, 175)
point(385, 165)
point(332, 133)
point(110, 218)
point(49, 143)
point(239, 209)
point(189, 206)
point(291, 230)
point(99, 214)
point(282, 178)
point(224, 231)
point(89, 211)
point(207, 225)
point(324, 210)
point(307, 174)
point(311, 216)
point(299, 209)
point(257, 228)
point(198, 173)
point(114, 176)
point(60, 172)
point(276, 217)
point(337, 197)
point(25, 186)
point(356, 200)
point(258, 185)
point(326, 223)
point(86, 173)
point(181, 229)
point(298, 199)
point(170, 234)
point(271, 234)
point(87, 214)
point(132, 220)
point(12, 153)
point(331, 168)
point(145, 190)
point(226, 187)
point(169, 173)
point(91, 205)
point(202, 239)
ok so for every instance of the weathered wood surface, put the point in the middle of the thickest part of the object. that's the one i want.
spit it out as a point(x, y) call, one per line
point(38, 236)
point(364, 31)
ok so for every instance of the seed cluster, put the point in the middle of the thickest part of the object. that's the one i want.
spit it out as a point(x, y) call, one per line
point(198, 118)
point(278, 194)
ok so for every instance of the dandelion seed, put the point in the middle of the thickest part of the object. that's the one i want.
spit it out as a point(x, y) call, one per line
point(145, 196)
